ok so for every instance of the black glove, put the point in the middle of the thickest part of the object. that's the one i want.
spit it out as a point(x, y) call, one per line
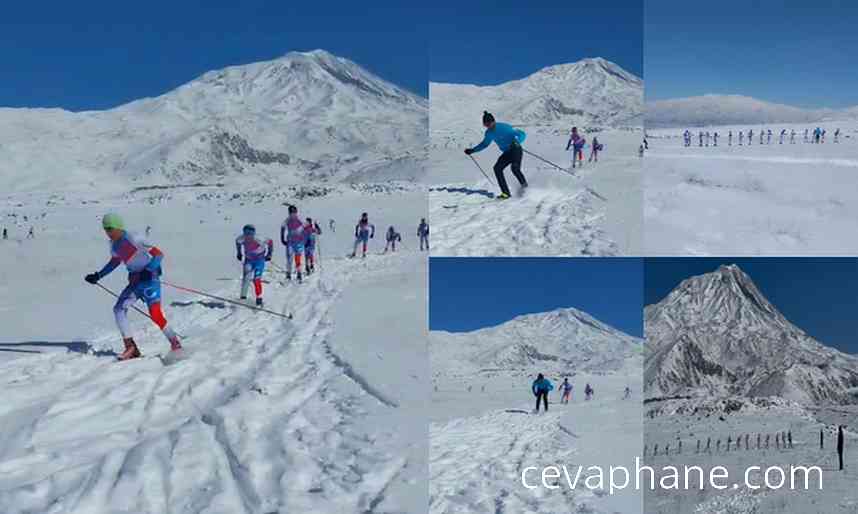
point(238, 256)
point(371, 236)
point(145, 275)
point(267, 258)
point(92, 278)
point(469, 151)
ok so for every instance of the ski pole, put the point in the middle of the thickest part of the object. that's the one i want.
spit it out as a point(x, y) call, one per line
point(547, 161)
point(481, 170)
point(227, 300)
point(138, 309)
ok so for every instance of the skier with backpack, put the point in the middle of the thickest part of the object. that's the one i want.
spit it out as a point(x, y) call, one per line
point(311, 231)
point(509, 141)
point(364, 231)
point(256, 253)
point(143, 262)
point(423, 234)
point(541, 387)
point(588, 392)
point(292, 236)
point(576, 142)
point(391, 238)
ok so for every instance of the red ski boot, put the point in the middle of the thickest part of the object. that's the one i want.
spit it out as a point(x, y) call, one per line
point(131, 350)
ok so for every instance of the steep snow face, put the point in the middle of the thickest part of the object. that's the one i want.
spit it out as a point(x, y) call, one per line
point(560, 340)
point(709, 110)
point(717, 334)
point(300, 117)
point(593, 92)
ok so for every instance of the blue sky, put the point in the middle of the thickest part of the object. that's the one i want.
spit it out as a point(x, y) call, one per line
point(99, 54)
point(819, 295)
point(489, 42)
point(466, 294)
point(795, 52)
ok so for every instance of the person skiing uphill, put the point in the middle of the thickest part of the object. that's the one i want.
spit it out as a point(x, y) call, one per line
point(576, 142)
point(508, 140)
point(792, 137)
point(837, 136)
point(741, 137)
point(730, 138)
point(541, 387)
point(423, 233)
point(715, 139)
point(256, 253)
point(588, 392)
point(364, 231)
point(311, 230)
point(143, 262)
point(594, 152)
point(566, 388)
point(391, 238)
point(292, 236)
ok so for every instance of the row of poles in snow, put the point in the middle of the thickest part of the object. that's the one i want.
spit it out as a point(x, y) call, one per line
point(782, 441)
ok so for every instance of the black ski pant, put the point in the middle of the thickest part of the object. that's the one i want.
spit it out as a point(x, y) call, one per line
point(511, 157)
point(543, 395)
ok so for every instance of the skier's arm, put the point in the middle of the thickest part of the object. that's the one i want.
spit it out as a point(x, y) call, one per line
point(318, 229)
point(238, 249)
point(270, 244)
point(109, 267)
point(520, 136)
point(487, 139)
point(283, 234)
point(372, 234)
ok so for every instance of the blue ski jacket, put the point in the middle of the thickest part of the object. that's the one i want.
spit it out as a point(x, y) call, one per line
point(542, 385)
point(503, 135)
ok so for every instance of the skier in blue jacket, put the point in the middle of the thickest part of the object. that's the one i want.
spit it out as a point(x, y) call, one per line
point(509, 142)
point(541, 387)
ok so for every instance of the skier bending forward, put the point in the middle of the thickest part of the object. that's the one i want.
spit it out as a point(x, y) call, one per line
point(256, 253)
point(143, 262)
point(509, 142)
point(391, 238)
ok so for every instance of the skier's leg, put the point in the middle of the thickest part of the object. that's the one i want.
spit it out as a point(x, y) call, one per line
point(258, 270)
point(545, 400)
point(245, 279)
point(150, 292)
point(120, 311)
point(503, 161)
point(289, 258)
point(537, 402)
point(516, 165)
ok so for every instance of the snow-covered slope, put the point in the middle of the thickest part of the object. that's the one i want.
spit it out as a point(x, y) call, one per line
point(562, 340)
point(708, 110)
point(593, 92)
point(304, 116)
point(717, 334)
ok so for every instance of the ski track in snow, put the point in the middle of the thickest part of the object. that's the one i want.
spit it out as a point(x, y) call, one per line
point(84, 434)
point(476, 463)
point(467, 223)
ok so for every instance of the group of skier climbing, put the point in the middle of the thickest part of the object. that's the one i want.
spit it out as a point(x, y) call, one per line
point(143, 262)
point(509, 141)
point(704, 138)
point(542, 386)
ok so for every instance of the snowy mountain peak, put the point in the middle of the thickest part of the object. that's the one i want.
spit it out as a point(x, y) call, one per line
point(591, 91)
point(562, 339)
point(716, 333)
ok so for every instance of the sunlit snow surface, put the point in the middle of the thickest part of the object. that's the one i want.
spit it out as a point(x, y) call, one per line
point(771, 199)
point(318, 414)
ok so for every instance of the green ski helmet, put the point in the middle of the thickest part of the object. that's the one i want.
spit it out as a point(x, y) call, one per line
point(112, 221)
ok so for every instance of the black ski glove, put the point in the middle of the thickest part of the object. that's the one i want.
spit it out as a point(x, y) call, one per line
point(267, 258)
point(238, 256)
point(469, 151)
point(92, 278)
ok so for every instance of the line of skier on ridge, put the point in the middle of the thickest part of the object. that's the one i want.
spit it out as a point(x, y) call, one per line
point(817, 136)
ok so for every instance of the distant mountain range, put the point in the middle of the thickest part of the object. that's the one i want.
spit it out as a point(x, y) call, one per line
point(593, 92)
point(560, 340)
point(303, 117)
point(716, 110)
